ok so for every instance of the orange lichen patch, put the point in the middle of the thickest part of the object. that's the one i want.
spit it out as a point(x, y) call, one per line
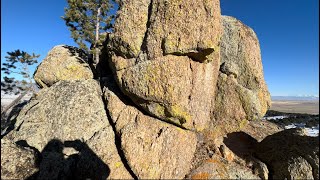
point(211, 160)
point(201, 175)
point(229, 157)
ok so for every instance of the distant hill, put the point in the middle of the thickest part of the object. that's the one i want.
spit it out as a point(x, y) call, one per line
point(34, 85)
point(295, 98)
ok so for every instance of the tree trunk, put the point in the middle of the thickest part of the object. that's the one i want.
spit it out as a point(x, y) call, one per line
point(96, 53)
point(14, 102)
point(96, 60)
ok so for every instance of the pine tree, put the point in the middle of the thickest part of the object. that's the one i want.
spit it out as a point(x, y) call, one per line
point(17, 62)
point(88, 20)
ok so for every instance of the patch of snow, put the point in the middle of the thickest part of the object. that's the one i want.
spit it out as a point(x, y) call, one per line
point(275, 117)
point(313, 131)
point(290, 126)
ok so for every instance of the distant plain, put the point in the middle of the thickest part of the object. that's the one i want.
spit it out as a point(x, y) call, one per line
point(296, 106)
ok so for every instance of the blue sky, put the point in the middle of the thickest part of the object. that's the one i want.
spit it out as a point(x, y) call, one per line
point(288, 31)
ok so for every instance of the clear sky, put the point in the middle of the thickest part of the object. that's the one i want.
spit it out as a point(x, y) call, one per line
point(288, 31)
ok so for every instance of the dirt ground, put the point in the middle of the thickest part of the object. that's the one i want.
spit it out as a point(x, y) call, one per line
point(309, 107)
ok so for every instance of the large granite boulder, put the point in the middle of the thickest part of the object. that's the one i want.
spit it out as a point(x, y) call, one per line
point(16, 162)
point(290, 154)
point(241, 59)
point(69, 119)
point(63, 63)
point(241, 94)
point(165, 56)
point(153, 149)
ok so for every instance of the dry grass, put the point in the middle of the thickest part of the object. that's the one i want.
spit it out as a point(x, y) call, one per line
point(308, 107)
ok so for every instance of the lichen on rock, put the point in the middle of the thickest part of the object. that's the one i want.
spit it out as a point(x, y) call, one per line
point(62, 63)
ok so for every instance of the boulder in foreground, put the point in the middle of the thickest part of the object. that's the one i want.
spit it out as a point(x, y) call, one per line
point(68, 124)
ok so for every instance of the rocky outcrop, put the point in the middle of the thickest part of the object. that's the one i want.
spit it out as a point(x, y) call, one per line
point(160, 28)
point(241, 59)
point(16, 162)
point(62, 63)
point(71, 111)
point(290, 154)
point(165, 56)
point(241, 94)
point(171, 109)
point(153, 149)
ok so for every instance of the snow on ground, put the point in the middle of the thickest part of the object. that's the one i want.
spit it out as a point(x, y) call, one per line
point(274, 117)
point(314, 131)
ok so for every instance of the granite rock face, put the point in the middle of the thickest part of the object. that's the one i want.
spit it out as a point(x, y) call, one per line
point(241, 59)
point(177, 82)
point(62, 63)
point(241, 93)
point(16, 162)
point(290, 154)
point(70, 112)
point(153, 149)
point(166, 58)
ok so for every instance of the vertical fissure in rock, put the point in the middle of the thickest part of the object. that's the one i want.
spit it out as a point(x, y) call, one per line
point(144, 42)
point(117, 141)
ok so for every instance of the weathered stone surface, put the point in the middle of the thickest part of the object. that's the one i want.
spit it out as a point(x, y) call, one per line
point(159, 63)
point(241, 58)
point(261, 129)
point(218, 168)
point(130, 27)
point(153, 149)
point(180, 95)
point(16, 162)
point(183, 28)
point(228, 115)
point(290, 154)
point(71, 111)
point(167, 27)
point(241, 94)
point(62, 63)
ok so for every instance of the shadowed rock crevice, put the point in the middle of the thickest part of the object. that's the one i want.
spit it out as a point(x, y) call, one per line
point(8, 122)
point(241, 144)
point(144, 41)
point(117, 140)
point(198, 55)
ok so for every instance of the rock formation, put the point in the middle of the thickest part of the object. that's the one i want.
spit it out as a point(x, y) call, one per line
point(185, 88)
point(70, 111)
point(62, 63)
point(241, 93)
point(290, 154)
point(153, 149)
point(166, 58)
point(16, 162)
